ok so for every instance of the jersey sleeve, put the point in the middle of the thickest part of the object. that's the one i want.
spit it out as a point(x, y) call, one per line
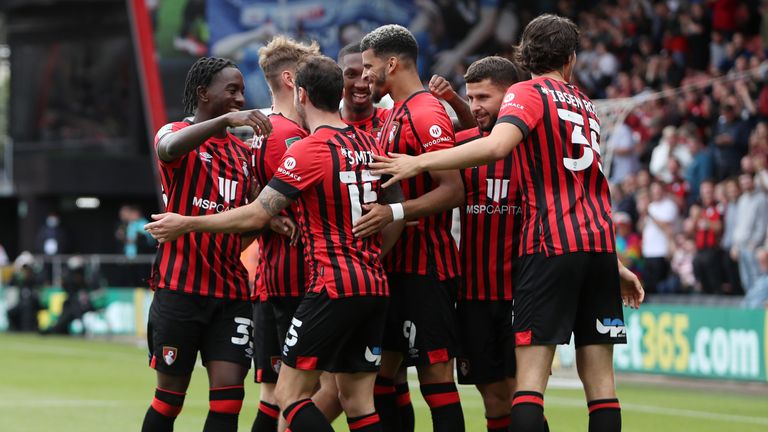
point(432, 129)
point(163, 132)
point(300, 169)
point(522, 106)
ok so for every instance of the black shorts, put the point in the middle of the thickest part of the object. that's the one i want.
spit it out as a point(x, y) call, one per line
point(180, 325)
point(266, 345)
point(271, 320)
point(421, 322)
point(575, 293)
point(487, 341)
point(336, 335)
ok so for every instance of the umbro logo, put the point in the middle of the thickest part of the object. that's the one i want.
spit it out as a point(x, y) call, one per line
point(497, 189)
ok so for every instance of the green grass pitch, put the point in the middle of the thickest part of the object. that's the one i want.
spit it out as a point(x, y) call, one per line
point(69, 384)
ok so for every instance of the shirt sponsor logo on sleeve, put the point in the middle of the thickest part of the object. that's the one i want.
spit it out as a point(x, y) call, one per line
point(509, 97)
point(435, 131)
point(288, 165)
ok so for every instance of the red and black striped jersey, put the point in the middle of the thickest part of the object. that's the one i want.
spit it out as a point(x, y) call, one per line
point(372, 124)
point(282, 268)
point(490, 227)
point(565, 197)
point(417, 125)
point(214, 177)
point(327, 173)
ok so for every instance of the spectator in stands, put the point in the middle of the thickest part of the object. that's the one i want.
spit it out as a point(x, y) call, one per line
point(625, 153)
point(51, 239)
point(628, 243)
point(3, 257)
point(23, 316)
point(757, 296)
point(131, 232)
point(729, 141)
point(728, 207)
point(670, 147)
point(750, 230)
point(706, 224)
point(701, 168)
point(77, 287)
point(657, 222)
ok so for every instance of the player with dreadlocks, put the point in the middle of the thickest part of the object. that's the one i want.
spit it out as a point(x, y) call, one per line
point(202, 295)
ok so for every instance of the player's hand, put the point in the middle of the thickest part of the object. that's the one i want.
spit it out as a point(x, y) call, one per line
point(441, 88)
point(254, 118)
point(632, 292)
point(167, 227)
point(399, 166)
point(377, 217)
point(285, 226)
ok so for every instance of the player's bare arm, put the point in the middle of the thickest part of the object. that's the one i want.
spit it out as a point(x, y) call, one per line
point(254, 216)
point(632, 292)
point(503, 139)
point(174, 145)
point(441, 88)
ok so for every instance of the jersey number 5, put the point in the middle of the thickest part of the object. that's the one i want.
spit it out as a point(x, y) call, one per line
point(349, 178)
point(578, 137)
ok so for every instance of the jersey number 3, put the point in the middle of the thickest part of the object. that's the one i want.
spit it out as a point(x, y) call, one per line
point(349, 178)
point(578, 137)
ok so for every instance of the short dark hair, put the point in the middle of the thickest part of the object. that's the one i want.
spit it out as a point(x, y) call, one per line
point(391, 39)
point(547, 43)
point(200, 75)
point(353, 48)
point(321, 77)
point(501, 71)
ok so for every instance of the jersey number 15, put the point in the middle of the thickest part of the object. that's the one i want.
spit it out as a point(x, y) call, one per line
point(370, 196)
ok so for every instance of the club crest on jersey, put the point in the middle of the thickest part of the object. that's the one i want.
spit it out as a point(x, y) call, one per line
point(289, 142)
point(206, 157)
point(393, 132)
point(170, 354)
point(276, 362)
point(614, 327)
point(463, 366)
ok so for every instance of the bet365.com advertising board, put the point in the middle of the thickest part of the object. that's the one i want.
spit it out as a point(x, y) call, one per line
point(704, 342)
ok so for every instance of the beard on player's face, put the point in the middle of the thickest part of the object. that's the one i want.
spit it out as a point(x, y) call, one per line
point(377, 86)
point(300, 111)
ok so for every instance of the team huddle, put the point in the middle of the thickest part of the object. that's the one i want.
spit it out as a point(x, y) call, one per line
point(359, 276)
